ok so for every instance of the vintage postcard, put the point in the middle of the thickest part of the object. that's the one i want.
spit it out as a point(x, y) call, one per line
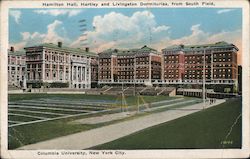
point(124, 79)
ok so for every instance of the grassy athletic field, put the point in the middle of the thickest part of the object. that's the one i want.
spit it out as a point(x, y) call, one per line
point(32, 133)
point(204, 129)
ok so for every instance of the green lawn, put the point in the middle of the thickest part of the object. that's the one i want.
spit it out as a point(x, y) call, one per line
point(131, 100)
point(28, 134)
point(204, 129)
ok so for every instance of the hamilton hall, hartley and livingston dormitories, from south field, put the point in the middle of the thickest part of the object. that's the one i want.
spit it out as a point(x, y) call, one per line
point(55, 65)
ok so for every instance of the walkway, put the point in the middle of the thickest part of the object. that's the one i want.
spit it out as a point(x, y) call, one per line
point(87, 139)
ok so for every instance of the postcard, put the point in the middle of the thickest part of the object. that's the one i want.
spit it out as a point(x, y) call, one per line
point(124, 79)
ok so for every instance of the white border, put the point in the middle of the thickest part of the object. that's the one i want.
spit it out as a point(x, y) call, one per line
point(193, 153)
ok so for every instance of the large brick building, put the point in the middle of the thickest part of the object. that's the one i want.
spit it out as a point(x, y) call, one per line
point(186, 63)
point(16, 68)
point(107, 66)
point(94, 71)
point(140, 66)
point(58, 66)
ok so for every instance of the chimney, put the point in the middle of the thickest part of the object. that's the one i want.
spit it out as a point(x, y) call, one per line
point(12, 49)
point(59, 44)
point(87, 49)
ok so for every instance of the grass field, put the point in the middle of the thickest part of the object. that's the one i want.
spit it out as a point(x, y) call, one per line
point(131, 100)
point(32, 133)
point(204, 129)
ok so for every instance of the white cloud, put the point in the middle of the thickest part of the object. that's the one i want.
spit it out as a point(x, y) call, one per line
point(16, 14)
point(224, 11)
point(52, 35)
point(31, 39)
point(28, 39)
point(198, 36)
point(115, 30)
point(57, 12)
point(118, 30)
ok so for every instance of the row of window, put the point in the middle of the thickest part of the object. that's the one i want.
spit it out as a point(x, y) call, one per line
point(34, 57)
point(34, 66)
point(17, 57)
point(105, 76)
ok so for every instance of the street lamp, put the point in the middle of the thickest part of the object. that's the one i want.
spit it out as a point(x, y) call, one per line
point(204, 80)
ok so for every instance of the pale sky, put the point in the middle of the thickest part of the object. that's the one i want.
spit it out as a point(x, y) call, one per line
point(125, 28)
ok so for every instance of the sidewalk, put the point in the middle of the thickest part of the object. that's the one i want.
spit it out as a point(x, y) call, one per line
point(90, 138)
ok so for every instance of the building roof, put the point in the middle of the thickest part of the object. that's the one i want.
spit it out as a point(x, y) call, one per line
point(146, 48)
point(78, 51)
point(128, 52)
point(108, 53)
point(16, 53)
point(221, 44)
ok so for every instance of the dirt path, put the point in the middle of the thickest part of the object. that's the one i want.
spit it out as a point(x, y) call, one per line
point(87, 139)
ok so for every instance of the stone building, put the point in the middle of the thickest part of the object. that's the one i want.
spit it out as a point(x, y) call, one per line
point(16, 68)
point(51, 65)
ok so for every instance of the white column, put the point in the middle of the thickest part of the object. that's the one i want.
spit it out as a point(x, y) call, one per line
point(24, 78)
point(83, 74)
point(89, 81)
point(80, 73)
point(15, 75)
point(64, 72)
point(69, 70)
point(77, 75)
point(72, 75)
point(43, 65)
point(50, 67)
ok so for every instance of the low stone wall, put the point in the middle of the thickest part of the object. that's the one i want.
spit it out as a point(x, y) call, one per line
point(15, 91)
point(57, 90)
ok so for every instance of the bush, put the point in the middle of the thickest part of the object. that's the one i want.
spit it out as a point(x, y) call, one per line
point(49, 85)
point(36, 85)
point(59, 85)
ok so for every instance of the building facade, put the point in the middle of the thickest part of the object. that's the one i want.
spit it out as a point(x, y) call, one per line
point(53, 65)
point(147, 65)
point(107, 66)
point(140, 66)
point(187, 64)
point(94, 71)
point(16, 68)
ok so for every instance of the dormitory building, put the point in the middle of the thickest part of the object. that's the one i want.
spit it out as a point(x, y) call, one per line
point(52, 65)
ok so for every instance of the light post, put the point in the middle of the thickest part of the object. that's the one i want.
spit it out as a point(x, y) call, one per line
point(204, 80)
point(134, 74)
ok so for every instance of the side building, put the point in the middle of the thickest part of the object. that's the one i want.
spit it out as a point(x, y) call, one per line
point(107, 66)
point(51, 65)
point(16, 68)
point(132, 66)
point(185, 64)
